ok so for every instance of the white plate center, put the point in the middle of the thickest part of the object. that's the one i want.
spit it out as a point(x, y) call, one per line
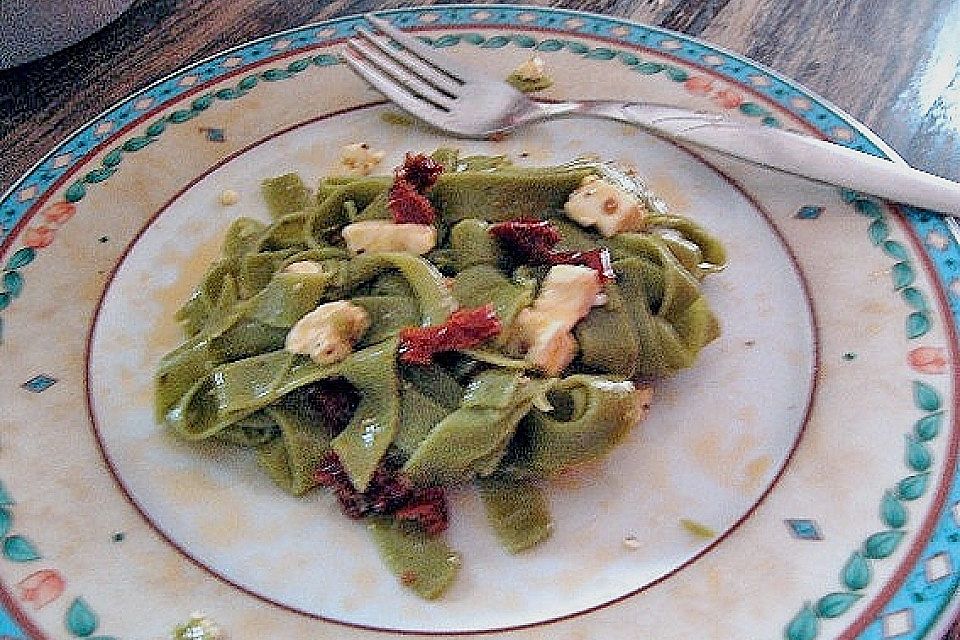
point(715, 441)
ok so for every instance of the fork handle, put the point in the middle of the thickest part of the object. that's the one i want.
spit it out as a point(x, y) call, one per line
point(783, 150)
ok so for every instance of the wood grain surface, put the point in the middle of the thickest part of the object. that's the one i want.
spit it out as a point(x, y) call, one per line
point(892, 64)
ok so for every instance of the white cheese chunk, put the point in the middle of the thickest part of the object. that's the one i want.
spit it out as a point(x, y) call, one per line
point(605, 205)
point(360, 158)
point(229, 197)
point(304, 266)
point(383, 235)
point(544, 330)
point(327, 334)
point(531, 70)
point(643, 397)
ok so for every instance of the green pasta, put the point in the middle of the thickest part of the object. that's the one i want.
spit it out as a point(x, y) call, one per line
point(517, 511)
point(251, 368)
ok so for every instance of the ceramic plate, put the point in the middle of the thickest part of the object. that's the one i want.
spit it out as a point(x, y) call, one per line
point(816, 439)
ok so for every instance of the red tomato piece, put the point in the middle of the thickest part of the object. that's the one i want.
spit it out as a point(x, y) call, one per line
point(409, 206)
point(464, 329)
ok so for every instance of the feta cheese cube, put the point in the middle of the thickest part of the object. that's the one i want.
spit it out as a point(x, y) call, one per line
point(532, 69)
point(544, 330)
point(327, 334)
point(304, 266)
point(360, 158)
point(605, 205)
point(383, 235)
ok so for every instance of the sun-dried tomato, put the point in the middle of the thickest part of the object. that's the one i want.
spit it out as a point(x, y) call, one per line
point(331, 402)
point(428, 509)
point(529, 240)
point(596, 259)
point(409, 206)
point(389, 493)
point(464, 329)
point(419, 170)
point(533, 242)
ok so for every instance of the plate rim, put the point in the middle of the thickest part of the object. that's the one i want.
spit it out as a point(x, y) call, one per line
point(5, 244)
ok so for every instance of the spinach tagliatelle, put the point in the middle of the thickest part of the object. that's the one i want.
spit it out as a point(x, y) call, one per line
point(341, 341)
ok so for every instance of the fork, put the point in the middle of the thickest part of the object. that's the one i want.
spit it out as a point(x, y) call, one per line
point(466, 102)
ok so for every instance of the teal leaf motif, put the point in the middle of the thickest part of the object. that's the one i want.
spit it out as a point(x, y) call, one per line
point(325, 60)
point(679, 75)
point(80, 619)
point(856, 573)
point(896, 250)
point(496, 42)
point(917, 324)
point(476, 38)
point(446, 41)
point(202, 103)
point(550, 45)
point(878, 231)
point(915, 298)
point(892, 511)
point(230, 93)
point(868, 208)
point(248, 83)
point(628, 58)
point(4, 300)
point(524, 41)
point(6, 521)
point(925, 397)
point(902, 274)
point(881, 545)
point(156, 128)
point(298, 65)
point(918, 456)
point(804, 625)
point(113, 158)
point(928, 427)
point(135, 144)
point(98, 175)
point(75, 192)
point(5, 499)
point(913, 487)
point(19, 549)
point(181, 115)
point(577, 47)
point(770, 121)
point(649, 68)
point(849, 195)
point(21, 258)
point(835, 604)
point(601, 53)
point(752, 109)
point(273, 75)
point(13, 283)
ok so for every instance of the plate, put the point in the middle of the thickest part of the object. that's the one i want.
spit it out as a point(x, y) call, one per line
point(816, 439)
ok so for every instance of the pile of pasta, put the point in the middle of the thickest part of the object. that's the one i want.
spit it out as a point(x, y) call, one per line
point(483, 415)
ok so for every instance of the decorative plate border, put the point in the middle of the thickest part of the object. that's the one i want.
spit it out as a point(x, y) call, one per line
point(25, 200)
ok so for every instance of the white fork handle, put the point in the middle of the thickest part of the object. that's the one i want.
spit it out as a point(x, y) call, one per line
point(779, 149)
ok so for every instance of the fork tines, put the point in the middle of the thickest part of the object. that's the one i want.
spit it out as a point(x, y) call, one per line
point(403, 68)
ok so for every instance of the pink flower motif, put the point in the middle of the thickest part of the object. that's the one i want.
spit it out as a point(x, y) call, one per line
point(58, 213)
point(38, 237)
point(42, 587)
point(928, 359)
point(728, 99)
point(698, 85)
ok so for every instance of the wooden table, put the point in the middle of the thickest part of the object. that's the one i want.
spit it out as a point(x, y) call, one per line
point(893, 65)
